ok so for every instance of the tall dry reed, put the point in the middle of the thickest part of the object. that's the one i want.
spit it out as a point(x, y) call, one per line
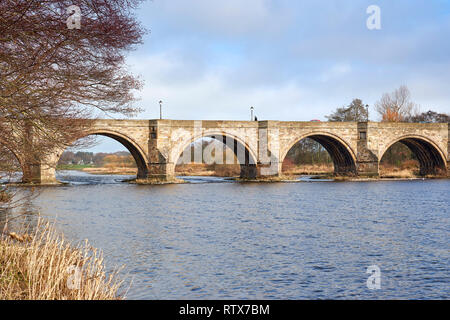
point(44, 266)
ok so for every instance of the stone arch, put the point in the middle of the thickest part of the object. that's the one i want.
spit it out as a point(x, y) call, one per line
point(341, 153)
point(135, 150)
point(246, 157)
point(431, 158)
point(16, 155)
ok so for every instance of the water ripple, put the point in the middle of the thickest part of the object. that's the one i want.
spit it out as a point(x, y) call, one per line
point(263, 241)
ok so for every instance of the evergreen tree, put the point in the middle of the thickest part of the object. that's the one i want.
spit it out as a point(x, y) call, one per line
point(355, 111)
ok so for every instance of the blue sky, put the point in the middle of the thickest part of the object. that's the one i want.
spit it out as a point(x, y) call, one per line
point(291, 60)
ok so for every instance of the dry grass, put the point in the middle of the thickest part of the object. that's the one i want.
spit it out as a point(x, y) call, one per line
point(112, 170)
point(227, 170)
point(403, 174)
point(44, 266)
point(407, 169)
point(289, 169)
point(194, 169)
point(201, 169)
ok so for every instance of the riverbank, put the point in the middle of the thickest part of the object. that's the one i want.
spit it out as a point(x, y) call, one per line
point(109, 169)
point(194, 169)
point(44, 266)
point(208, 170)
point(214, 170)
point(327, 178)
point(125, 171)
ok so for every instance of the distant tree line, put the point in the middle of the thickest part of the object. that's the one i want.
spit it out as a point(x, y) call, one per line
point(101, 159)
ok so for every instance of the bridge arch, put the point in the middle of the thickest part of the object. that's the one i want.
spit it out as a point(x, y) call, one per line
point(19, 160)
point(135, 150)
point(431, 158)
point(343, 156)
point(246, 157)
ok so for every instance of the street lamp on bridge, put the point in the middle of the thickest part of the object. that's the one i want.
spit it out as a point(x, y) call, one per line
point(160, 109)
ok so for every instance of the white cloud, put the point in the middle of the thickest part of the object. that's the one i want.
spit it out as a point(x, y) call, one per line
point(213, 94)
point(230, 17)
point(206, 59)
point(335, 72)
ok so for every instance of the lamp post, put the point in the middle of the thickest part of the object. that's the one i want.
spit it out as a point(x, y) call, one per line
point(367, 111)
point(160, 109)
point(251, 113)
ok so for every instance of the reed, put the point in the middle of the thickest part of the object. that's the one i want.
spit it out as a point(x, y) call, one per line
point(44, 266)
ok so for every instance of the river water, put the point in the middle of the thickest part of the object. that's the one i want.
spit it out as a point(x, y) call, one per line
point(218, 239)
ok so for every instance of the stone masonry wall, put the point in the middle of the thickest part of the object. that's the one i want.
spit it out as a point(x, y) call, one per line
point(161, 142)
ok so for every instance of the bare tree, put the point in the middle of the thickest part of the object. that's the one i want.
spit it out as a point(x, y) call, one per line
point(396, 106)
point(52, 77)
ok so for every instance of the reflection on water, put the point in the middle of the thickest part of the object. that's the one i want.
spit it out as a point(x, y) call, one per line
point(251, 241)
point(200, 179)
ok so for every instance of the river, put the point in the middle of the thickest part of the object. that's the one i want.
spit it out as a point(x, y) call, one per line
point(218, 239)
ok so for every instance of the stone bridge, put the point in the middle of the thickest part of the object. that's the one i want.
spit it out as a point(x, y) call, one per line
point(261, 146)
